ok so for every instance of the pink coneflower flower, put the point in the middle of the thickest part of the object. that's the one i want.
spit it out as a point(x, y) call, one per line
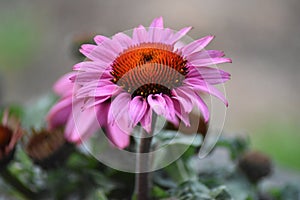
point(127, 79)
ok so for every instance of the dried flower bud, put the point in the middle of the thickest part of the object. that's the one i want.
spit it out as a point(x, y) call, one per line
point(48, 149)
point(255, 165)
point(9, 136)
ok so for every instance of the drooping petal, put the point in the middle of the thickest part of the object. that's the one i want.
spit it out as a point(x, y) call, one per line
point(205, 87)
point(146, 121)
point(81, 124)
point(64, 85)
point(202, 107)
point(59, 113)
point(137, 109)
point(157, 103)
point(197, 100)
point(118, 107)
point(184, 100)
point(170, 114)
point(117, 135)
point(184, 116)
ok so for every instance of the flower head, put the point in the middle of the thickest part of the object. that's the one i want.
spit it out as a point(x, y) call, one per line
point(10, 133)
point(127, 79)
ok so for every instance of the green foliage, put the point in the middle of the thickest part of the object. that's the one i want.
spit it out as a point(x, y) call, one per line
point(19, 37)
point(195, 190)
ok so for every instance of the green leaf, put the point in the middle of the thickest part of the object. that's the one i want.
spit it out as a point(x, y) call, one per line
point(158, 192)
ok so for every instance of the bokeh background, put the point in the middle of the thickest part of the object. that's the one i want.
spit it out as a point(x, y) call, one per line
point(262, 38)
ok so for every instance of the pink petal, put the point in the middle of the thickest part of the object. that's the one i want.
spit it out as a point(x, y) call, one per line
point(184, 100)
point(202, 107)
point(87, 48)
point(205, 87)
point(170, 110)
point(107, 90)
point(156, 30)
point(99, 39)
point(139, 35)
point(205, 54)
point(59, 113)
point(137, 109)
point(157, 22)
point(91, 102)
point(208, 74)
point(179, 35)
point(157, 103)
point(146, 121)
point(197, 100)
point(167, 34)
point(184, 116)
point(118, 106)
point(117, 136)
point(155, 34)
point(102, 113)
point(88, 88)
point(64, 85)
point(113, 46)
point(124, 40)
point(209, 61)
point(101, 54)
point(197, 45)
point(92, 66)
point(81, 124)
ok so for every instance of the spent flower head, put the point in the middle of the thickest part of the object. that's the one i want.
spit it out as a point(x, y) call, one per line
point(10, 133)
point(48, 149)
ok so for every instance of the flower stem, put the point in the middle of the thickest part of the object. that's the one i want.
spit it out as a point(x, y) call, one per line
point(143, 177)
point(142, 184)
point(17, 184)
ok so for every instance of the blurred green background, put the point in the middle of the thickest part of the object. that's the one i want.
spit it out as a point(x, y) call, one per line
point(262, 38)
